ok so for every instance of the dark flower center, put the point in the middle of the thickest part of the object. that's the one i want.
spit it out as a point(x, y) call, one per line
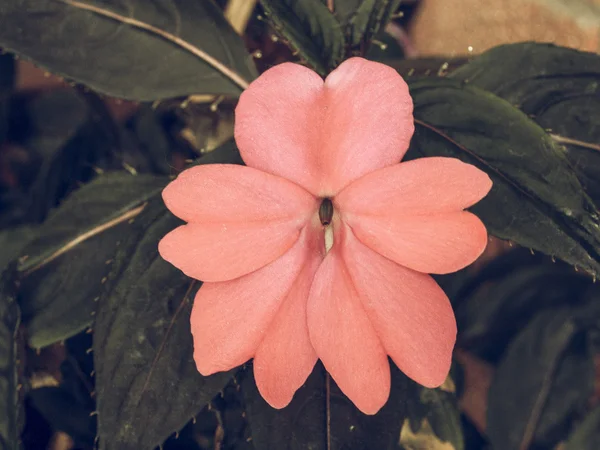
point(326, 211)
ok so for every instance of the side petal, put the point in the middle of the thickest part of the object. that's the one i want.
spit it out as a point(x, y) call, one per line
point(240, 220)
point(227, 193)
point(221, 252)
point(278, 124)
point(437, 244)
point(411, 314)
point(422, 186)
point(368, 123)
point(285, 358)
point(230, 319)
point(344, 339)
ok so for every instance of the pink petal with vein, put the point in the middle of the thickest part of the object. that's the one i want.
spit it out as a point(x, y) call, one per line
point(230, 319)
point(438, 244)
point(411, 314)
point(369, 121)
point(285, 358)
point(323, 135)
point(422, 186)
point(221, 252)
point(240, 220)
point(278, 124)
point(218, 193)
point(344, 338)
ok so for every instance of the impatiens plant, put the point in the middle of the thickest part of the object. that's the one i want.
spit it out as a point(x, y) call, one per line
point(274, 249)
point(317, 249)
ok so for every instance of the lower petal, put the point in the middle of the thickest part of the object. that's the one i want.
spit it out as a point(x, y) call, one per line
point(438, 244)
point(230, 319)
point(344, 339)
point(285, 358)
point(411, 314)
point(220, 252)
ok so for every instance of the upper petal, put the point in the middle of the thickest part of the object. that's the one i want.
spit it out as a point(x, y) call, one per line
point(240, 220)
point(285, 358)
point(344, 338)
point(368, 124)
point(409, 311)
point(230, 319)
point(441, 243)
point(421, 186)
point(278, 124)
point(323, 135)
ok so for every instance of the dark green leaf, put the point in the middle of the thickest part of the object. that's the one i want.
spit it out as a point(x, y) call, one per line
point(68, 146)
point(7, 81)
point(147, 384)
point(132, 49)
point(587, 435)
point(539, 383)
point(492, 315)
point(65, 413)
point(344, 10)
point(586, 162)
point(433, 417)
point(59, 299)
point(371, 17)
point(225, 154)
point(537, 200)
point(152, 142)
point(107, 201)
point(387, 49)
point(12, 242)
point(311, 29)
point(304, 423)
point(10, 403)
point(558, 87)
point(73, 255)
point(572, 387)
point(530, 73)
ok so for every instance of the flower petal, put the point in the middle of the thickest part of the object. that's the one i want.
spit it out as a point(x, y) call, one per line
point(323, 135)
point(240, 220)
point(422, 186)
point(226, 193)
point(230, 319)
point(221, 252)
point(369, 121)
point(285, 358)
point(437, 244)
point(278, 122)
point(344, 339)
point(411, 314)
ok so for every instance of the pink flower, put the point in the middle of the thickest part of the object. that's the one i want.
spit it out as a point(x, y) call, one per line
point(286, 290)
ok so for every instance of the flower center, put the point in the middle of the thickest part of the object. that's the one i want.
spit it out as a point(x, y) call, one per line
point(326, 216)
point(326, 212)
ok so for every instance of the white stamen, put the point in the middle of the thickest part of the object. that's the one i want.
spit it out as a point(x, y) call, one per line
point(328, 238)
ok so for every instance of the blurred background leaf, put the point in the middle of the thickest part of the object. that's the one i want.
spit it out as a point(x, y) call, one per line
point(363, 20)
point(545, 375)
point(587, 435)
point(11, 408)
